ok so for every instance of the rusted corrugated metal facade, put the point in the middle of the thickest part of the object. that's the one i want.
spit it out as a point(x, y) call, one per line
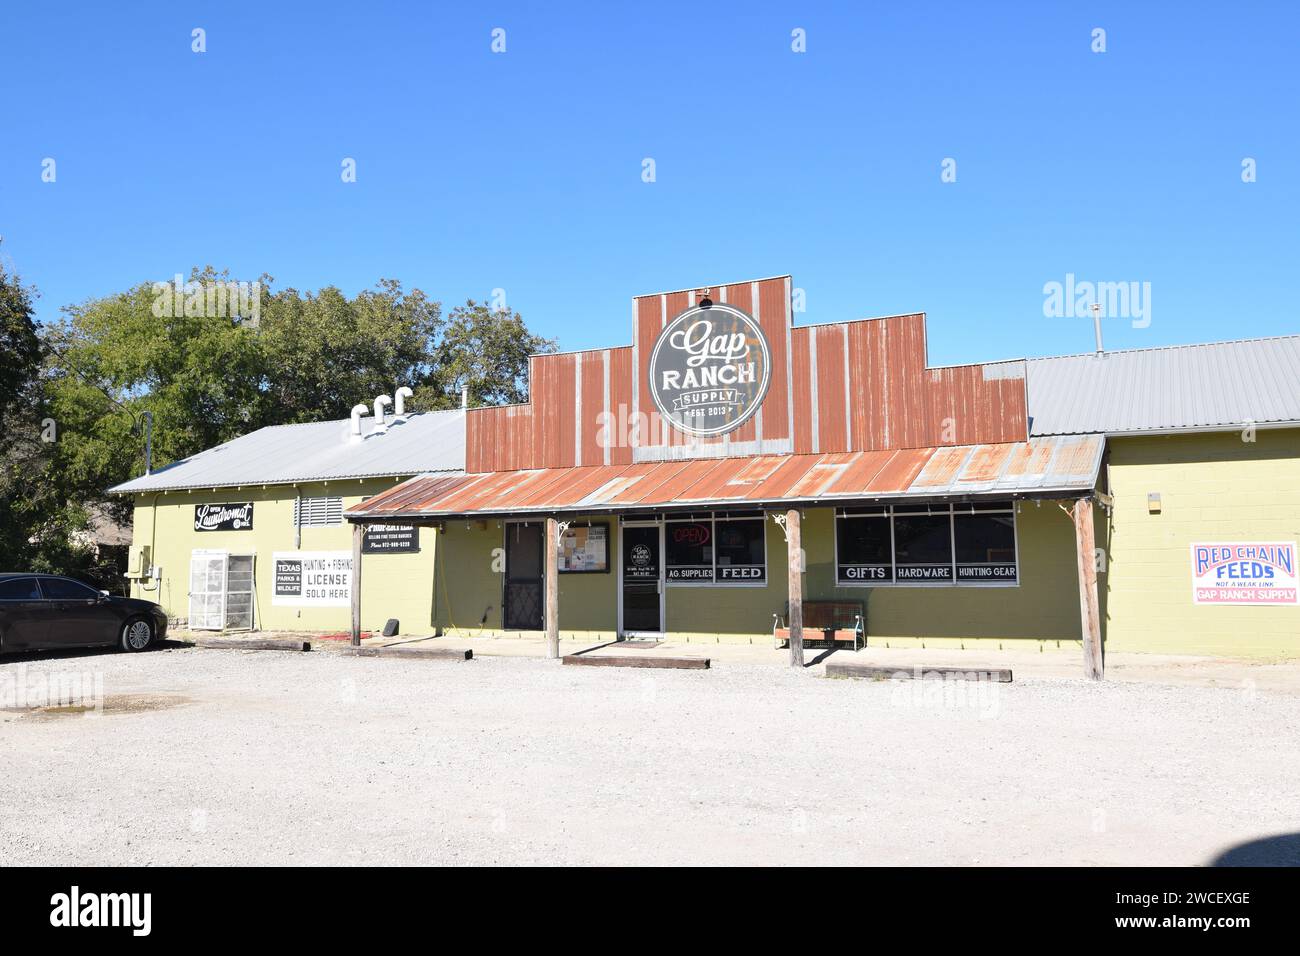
point(1040, 467)
point(845, 387)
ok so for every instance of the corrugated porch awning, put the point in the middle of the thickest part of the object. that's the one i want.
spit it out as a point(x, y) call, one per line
point(1047, 467)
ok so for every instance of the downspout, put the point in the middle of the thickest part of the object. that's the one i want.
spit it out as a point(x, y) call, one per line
point(297, 517)
point(153, 541)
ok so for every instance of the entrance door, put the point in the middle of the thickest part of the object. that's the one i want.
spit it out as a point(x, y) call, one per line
point(207, 590)
point(642, 579)
point(523, 580)
point(239, 592)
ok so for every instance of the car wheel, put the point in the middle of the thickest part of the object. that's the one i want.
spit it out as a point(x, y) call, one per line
point(137, 634)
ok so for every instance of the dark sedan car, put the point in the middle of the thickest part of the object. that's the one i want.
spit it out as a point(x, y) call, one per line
point(47, 612)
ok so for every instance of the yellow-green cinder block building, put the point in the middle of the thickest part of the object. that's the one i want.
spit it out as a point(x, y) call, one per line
point(1139, 500)
point(251, 535)
point(1202, 452)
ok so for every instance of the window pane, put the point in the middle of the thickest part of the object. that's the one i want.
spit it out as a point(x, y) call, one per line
point(923, 547)
point(19, 589)
point(523, 551)
point(59, 589)
point(862, 551)
point(986, 547)
point(689, 550)
point(740, 550)
point(239, 573)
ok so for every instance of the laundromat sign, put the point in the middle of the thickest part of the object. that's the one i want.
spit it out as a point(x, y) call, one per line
point(1244, 572)
point(710, 369)
point(237, 517)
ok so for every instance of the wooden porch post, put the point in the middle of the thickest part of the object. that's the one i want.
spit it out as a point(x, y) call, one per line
point(794, 558)
point(1089, 609)
point(357, 532)
point(552, 589)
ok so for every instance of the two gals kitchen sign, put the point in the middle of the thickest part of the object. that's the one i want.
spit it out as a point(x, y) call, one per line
point(710, 369)
point(228, 517)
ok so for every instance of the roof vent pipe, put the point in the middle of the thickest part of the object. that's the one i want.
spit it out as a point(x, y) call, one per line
point(1096, 325)
point(399, 402)
point(464, 396)
point(357, 412)
point(381, 423)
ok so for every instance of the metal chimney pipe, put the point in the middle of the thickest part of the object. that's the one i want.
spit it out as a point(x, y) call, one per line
point(357, 412)
point(464, 396)
point(381, 423)
point(1096, 325)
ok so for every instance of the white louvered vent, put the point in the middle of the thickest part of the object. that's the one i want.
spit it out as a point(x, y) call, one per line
point(317, 512)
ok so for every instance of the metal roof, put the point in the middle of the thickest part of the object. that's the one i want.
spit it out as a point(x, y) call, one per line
point(318, 451)
point(1041, 467)
point(1221, 384)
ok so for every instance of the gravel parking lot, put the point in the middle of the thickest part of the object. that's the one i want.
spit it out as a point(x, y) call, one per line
point(221, 757)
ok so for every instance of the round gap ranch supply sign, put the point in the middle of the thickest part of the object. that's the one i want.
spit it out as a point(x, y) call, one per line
point(1237, 572)
point(228, 517)
point(710, 370)
point(312, 578)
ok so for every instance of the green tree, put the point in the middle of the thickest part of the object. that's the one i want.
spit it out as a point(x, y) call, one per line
point(113, 358)
point(209, 374)
point(323, 352)
point(486, 351)
point(37, 528)
point(20, 347)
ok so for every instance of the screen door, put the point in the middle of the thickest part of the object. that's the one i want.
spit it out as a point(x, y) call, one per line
point(207, 590)
point(239, 592)
point(523, 584)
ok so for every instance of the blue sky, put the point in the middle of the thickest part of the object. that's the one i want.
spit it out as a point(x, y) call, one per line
point(523, 170)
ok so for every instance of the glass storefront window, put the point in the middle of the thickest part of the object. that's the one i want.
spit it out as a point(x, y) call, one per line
point(863, 551)
point(969, 544)
point(923, 547)
point(986, 546)
point(741, 550)
point(688, 550)
point(721, 549)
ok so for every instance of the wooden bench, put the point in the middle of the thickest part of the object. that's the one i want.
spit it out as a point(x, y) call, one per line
point(831, 621)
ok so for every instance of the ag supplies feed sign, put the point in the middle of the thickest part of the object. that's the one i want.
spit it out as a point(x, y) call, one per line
point(1244, 572)
point(312, 578)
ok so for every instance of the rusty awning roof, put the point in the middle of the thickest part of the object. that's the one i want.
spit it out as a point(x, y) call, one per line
point(1046, 467)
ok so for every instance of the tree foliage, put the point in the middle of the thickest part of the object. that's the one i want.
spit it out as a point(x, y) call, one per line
point(38, 528)
point(487, 352)
point(208, 375)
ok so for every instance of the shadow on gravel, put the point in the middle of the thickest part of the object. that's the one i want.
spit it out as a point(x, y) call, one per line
point(826, 652)
point(1280, 850)
point(28, 657)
